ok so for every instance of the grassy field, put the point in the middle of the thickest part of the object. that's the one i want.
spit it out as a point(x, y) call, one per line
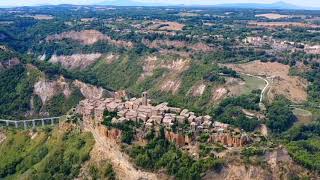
point(252, 83)
point(303, 116)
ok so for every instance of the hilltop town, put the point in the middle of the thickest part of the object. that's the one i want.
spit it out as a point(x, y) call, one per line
point(108, 92)
point(182, 127)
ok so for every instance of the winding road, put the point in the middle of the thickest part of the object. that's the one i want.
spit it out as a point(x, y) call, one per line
point(264, 89)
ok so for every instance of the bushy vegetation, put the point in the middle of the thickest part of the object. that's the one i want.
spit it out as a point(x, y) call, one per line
point(230, 111)
point(51, 154)
point(59, 104)
point(123, 73)
point(159, 153)
point(303, 144)
point(314, 89)
point(102, 170)
point(16, 87)
point(280, 117)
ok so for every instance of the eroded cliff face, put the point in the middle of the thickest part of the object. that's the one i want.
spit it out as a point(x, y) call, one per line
point(46, 90)
point(90, 91)
point(240, 172)
point(88, 37)
point(274, 165)
point(76, 61)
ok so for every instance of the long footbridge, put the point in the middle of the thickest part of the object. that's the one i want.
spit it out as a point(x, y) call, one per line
point(31, 123)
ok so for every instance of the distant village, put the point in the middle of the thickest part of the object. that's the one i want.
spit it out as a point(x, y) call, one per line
point(153, 117)
point(281, 45)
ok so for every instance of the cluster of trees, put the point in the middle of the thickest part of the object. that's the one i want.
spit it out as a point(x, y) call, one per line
point(57, 157)
point(314, 89)
point(159, 153)
point(230, 111)
point(303, 144)
point(280, 117)
point(16, 88)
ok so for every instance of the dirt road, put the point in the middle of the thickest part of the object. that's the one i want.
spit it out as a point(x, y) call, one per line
point(264, 89)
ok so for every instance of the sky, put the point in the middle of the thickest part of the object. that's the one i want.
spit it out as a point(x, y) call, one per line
point(304, 3)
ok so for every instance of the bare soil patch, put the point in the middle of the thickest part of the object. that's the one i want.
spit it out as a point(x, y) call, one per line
point(272, 16)
point(292, 87)
point(174, 44)
point(198, 89)
point(110, 58)
point(166, 26)
point(219, 94)
point(188, 14)
point(175, 67)
point(108, 149)
point(39, 16)
point(282, 24)
point(76, 61)
point(46, 90)
point(88, 37)
point(171, 81)
point(170, 84)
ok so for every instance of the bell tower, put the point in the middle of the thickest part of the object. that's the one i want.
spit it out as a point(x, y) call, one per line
point(145, 98)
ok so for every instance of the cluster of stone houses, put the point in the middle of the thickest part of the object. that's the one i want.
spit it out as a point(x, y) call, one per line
point(281, 45)
point(140, 109)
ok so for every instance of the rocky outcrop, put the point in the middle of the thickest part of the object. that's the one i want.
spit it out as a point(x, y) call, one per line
point(111, 134)
point(46, 90)
point(76, 61)
point(198, 89)
point(90, 91)
point(179, 139)
point(240, 172)
point(175, 67)
point(88, 37)
point(219, 93)
point(171, 85)
point(277, 164)
point(230, 140)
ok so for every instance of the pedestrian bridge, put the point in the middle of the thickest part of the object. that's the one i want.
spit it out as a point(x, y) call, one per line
point(31, 123)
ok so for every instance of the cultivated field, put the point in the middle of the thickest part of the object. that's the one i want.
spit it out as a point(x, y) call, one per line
point(166, 26)
point(282, 24)
point(272, 16)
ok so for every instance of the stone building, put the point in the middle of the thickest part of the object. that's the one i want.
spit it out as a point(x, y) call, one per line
point(139, 109)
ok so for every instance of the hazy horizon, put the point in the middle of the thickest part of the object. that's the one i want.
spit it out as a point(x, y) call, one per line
point(307, 3)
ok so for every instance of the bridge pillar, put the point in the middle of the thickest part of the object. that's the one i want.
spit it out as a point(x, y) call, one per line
point(7, 122)
point(33, 124)
point(16, 124)
point(25, 124)
point(52, 121)
point(42, 121)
